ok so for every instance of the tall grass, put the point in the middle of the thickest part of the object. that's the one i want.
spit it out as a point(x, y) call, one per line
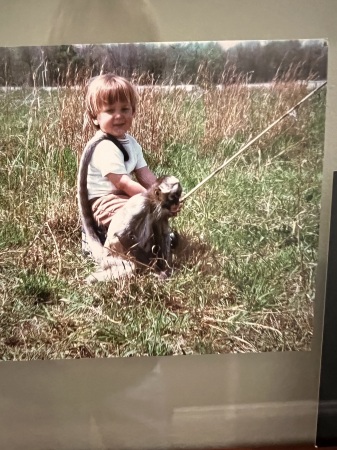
point(244, 276)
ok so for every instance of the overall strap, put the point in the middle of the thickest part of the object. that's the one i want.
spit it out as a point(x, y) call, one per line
point(118, 144)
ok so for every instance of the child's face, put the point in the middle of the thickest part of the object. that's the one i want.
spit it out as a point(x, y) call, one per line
point(115, 119)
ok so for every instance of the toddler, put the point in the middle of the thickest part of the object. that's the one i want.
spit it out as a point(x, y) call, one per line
point(111, 103)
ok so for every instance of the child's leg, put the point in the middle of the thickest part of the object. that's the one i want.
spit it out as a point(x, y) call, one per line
point(104, 208)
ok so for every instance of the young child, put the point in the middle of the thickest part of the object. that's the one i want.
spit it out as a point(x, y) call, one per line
point(111, 103)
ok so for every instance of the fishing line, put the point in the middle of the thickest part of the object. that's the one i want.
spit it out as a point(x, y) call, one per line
point(291, 111)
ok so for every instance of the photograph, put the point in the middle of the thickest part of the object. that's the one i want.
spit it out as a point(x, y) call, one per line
point(160, 198)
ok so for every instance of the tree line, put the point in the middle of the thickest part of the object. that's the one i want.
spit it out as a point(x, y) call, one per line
point(177, 63)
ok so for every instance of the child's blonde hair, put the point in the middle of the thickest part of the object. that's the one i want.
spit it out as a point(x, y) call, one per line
point(105, 90)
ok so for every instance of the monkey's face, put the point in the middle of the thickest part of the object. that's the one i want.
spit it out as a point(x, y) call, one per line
point(168, 193)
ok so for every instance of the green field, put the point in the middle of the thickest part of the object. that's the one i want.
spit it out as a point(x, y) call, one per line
point(244, 276)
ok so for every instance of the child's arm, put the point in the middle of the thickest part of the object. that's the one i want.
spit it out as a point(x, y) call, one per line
point(125, 183)
point(145, 177)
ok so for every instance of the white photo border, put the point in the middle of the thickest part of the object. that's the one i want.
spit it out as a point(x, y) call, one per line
point(172, 402)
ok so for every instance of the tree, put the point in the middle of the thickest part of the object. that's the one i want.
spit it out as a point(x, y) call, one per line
point(6, 68)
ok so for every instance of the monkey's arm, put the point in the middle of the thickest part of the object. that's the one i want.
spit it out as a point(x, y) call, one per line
point(145, 177)
point(126, 184)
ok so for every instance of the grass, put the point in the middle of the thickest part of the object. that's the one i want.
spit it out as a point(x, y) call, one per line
point(244, 277)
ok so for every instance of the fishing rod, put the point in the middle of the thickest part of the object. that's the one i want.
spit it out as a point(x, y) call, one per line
point(242, 149)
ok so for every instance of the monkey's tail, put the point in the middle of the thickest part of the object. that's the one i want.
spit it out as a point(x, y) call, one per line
point(113, 269)
point(86, 215)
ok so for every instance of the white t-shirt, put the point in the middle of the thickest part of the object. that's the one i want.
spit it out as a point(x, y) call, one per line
point(108, 158)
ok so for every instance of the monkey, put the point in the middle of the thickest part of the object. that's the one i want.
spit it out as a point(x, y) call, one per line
point(138, 235)
point(141, 230)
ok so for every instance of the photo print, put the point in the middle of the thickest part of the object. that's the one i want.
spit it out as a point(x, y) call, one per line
point(242, 275)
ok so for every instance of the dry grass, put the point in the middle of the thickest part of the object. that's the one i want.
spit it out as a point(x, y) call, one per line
point(244, 271)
